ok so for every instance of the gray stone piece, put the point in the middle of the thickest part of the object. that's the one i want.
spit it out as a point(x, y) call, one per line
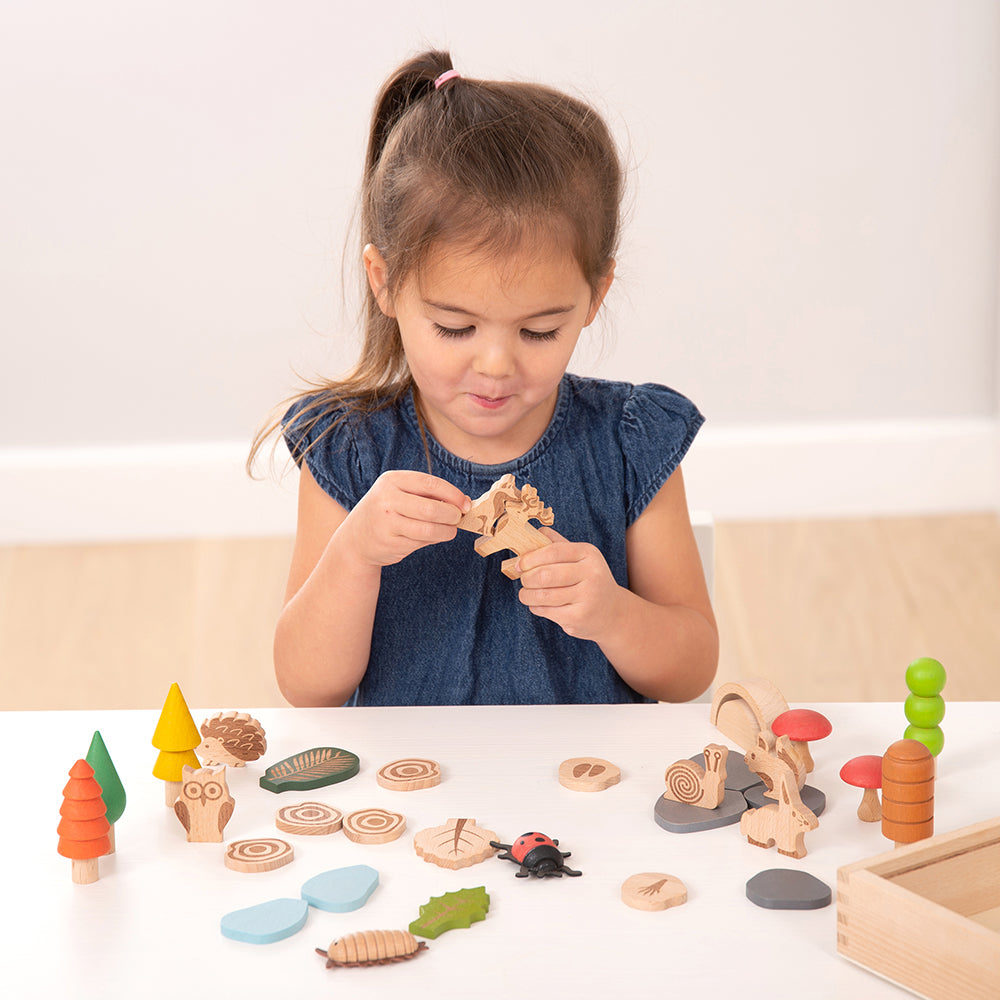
point(679, 817)
point(738, 775)
point(788, 889)
point(812, 798)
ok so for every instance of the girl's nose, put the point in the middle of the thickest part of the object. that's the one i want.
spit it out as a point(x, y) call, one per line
point(494, 357)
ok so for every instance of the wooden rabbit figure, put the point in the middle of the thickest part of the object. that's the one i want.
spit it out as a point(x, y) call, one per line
point(783, 823)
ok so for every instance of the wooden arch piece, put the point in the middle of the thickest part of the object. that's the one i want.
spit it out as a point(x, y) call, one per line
point(742, 709)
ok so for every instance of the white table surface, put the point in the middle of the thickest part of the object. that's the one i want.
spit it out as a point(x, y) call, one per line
point(150, 926)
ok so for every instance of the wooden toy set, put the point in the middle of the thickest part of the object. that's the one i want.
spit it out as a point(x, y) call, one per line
point(936, 898)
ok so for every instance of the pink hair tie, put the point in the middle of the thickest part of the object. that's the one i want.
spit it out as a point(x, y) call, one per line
point(451, 74)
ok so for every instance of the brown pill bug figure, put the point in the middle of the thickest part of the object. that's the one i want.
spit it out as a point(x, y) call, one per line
point(907, 792)
point(372, 948)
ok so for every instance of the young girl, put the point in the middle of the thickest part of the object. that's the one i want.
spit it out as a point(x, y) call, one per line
point(490, 218)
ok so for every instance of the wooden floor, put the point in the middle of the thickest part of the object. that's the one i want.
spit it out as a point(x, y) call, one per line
point(828, 610)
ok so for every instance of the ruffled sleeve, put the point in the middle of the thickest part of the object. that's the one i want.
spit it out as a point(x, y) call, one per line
point(324, 439)
point(657, 428)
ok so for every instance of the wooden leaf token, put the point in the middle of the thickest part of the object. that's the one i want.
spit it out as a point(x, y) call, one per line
point(450, 911)
point(409, 774)
point(310, 819)
point(457, 844)
point(588, 774)
point(374, 826)
point(311, 769)
point(653, 891)
point(262, 854)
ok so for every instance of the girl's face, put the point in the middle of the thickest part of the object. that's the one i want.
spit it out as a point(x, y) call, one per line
point(487, 342)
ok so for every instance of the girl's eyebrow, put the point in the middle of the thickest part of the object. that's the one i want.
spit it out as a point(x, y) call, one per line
point(458, 310)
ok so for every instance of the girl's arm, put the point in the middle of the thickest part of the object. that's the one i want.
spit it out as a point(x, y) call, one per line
point(323, 636)
point(660, 633)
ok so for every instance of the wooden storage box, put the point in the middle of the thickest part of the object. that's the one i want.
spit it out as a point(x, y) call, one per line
point(927, 915)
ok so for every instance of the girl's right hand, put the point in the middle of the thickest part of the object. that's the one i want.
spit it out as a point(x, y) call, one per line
point(402, 512)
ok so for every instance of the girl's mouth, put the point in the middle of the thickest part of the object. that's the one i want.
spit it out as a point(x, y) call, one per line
point(489, 402)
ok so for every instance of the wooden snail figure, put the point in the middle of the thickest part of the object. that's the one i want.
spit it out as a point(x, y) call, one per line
point(694, 785)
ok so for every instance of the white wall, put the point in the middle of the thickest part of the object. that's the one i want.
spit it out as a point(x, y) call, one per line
point(813, 253)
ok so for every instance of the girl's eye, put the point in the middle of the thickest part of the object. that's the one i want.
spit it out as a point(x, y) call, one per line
point(444, 331)
point(539, 334)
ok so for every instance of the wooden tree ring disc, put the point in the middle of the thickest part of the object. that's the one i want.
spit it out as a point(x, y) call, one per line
point(311, 819)
point(588, 774)
point(374, 826)
point(262, 854)
point(653, 891)
point(409, 774)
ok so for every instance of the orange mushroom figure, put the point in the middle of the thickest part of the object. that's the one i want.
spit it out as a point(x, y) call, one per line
point(865, 772)
point(802, 726)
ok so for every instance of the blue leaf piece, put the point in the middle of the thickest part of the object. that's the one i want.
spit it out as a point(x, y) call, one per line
point(342, 889)
point(266, 922)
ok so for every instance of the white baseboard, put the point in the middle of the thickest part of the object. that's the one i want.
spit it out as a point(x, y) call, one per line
point(201, 490)
point(863, 469)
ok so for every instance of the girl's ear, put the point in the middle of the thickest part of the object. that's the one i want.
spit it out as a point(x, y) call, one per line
point(602, 290)
point(378, 279)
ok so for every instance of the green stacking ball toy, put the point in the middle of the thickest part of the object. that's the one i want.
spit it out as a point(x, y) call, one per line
point(924, 707)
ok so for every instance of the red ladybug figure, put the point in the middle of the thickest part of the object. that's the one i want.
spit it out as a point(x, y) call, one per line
point(537, 855)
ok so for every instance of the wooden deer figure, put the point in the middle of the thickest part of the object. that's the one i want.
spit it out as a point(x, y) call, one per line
point(501, 516)
point(783, 823)
point(688, 782)
point(484, 513)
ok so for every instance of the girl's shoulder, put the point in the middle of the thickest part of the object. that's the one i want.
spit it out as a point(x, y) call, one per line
point(650, 426)
point(344, 444)
point(328, 419)
point(635, 406)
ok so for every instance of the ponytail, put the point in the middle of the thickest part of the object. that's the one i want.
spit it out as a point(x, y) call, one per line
point(411, 82)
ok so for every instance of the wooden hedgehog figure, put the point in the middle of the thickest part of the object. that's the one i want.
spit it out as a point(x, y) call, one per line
point(537, 855)
point(231, 738)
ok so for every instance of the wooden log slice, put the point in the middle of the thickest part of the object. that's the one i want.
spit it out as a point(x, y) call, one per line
point(374, 826)
point(310, 819)
point(261, 854)
point(409, 774)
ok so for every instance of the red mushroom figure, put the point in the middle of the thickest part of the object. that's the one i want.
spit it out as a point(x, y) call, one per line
point(802, 726)
point(865, 772)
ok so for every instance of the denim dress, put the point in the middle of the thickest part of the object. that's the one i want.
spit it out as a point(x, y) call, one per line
point(449, 628)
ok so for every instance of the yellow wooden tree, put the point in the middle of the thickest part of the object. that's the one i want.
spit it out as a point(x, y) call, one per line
point(176, 736)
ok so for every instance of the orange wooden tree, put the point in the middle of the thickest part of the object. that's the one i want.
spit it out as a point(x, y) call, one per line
point(83, 829)
point(175, 737)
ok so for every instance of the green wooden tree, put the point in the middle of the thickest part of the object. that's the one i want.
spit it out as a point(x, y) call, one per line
point(112, 789)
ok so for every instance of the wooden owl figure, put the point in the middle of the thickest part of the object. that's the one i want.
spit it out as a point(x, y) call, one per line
point(204, 806)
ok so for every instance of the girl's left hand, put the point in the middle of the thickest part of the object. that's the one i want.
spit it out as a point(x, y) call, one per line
point(571, 584)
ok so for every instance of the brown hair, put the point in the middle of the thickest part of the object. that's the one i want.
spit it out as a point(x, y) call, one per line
point(477, 163)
